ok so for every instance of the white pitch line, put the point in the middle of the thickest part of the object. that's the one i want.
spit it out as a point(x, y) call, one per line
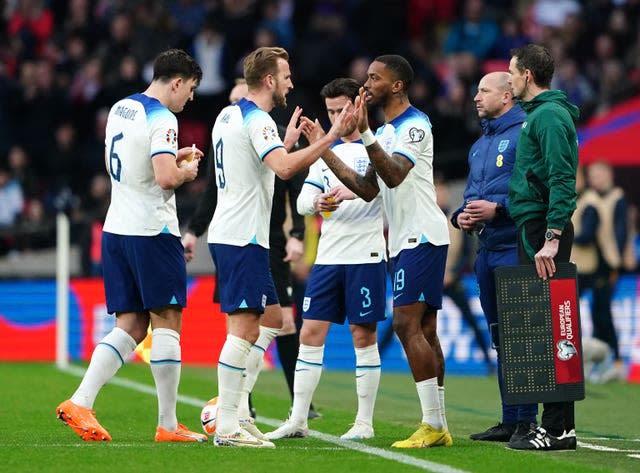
point(609, 439)
point(389, 455)
point(634, 456)
point(602, 448)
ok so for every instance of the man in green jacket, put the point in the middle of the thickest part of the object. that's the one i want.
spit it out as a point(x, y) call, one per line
point(542, 198)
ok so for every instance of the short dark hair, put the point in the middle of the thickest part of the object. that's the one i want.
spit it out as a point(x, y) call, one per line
point(261, 62)
point(176, 63)
point(400, 67)
point(341, 86)
point(538, 60)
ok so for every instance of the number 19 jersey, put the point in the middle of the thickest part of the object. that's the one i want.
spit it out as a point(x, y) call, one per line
point(138, 128)
point(242, 136)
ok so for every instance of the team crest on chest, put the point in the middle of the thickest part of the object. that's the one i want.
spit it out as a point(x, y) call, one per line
point(171, 136)
point(361, 165)
point(503, 145)
point(269, 133)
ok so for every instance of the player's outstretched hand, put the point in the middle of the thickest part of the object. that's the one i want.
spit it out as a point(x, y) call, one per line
point(345, 123)
point(311, 130)
point(294, 129)
point(361, 110)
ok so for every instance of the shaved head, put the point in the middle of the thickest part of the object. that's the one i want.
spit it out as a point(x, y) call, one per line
point(494, 97)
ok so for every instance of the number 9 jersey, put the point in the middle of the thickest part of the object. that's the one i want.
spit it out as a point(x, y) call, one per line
point(139, 128)
point(242, 136)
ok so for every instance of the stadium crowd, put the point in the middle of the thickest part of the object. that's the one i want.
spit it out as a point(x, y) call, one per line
point(63, 63)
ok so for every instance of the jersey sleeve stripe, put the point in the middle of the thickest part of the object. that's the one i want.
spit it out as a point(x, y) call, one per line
point(267, 151)
point(315, 184)
point(404, 155)
point(163, 151)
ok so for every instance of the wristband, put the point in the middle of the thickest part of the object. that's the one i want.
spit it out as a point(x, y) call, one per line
point(367, 137)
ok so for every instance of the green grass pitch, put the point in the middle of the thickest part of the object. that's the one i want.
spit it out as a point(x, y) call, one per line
point(32, 439)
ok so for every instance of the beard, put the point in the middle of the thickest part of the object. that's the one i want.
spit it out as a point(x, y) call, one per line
point(279, 100)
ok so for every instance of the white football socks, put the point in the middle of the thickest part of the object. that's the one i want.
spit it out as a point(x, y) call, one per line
point(231, 368)
point(430, 402)
point(166, 364)
point(107, 358)
point(367, 381)
point(442, 410)
point(253, 367)
point(307, 376)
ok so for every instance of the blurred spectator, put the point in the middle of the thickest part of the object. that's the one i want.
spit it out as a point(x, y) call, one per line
point(208, 50)
point(31, 24)
point(11, 197)
point(578, 89)
point(510, 37)
point(189, 15)
point(22, 171)
point(94, 211)
point(474, 33)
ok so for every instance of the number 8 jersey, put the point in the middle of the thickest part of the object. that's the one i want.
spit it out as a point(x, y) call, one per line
point(139, 128)
point(242, 136)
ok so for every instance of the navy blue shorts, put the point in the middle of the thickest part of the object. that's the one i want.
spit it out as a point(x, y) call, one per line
point(418, 275)
point(244, 277)
point(143, 272)
point(355, 292)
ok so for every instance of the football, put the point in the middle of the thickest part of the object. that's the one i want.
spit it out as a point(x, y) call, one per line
point(208, 416)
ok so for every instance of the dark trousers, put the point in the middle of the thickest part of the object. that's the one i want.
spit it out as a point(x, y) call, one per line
point(556, 416)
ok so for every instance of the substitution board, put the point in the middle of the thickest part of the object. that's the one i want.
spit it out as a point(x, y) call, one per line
point(539, 326)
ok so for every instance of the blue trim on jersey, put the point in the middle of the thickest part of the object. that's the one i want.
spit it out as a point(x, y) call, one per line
point(231, 367)
point(259, 348)
point(368, 367)
point(340, 141)
point(404, 155)
point(423, 239)
point(254, 241)
point(316, 184)
point(114, 349)
point(167, 361)
point(309, 363)
point(167, 151)
point(411, 112)
point(152, 106)
point(165, 229)
point(247, 108)
point(264, 155)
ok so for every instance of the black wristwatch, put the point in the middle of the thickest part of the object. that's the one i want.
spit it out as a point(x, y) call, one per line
point(550, 235)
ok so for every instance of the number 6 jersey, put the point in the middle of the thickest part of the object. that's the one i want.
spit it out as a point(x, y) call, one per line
point(139, 128)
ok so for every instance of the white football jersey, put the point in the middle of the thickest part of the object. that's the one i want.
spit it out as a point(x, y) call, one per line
point(411, 209)
point(242, 136)
point(139, 128)
point(353, 234)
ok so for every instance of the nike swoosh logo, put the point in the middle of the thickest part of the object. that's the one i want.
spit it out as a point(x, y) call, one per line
point(359, 375)
point(302, 369)
point(325, 169)
point(396, 296)
point(362, 314)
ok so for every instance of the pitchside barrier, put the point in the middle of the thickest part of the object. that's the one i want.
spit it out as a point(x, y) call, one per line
point(540, 341)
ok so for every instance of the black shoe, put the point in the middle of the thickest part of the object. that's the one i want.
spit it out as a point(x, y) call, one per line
point(540, 439)
point(498, 433)
point(522, 429)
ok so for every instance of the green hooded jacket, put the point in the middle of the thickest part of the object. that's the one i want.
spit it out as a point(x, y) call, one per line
point(543, 181)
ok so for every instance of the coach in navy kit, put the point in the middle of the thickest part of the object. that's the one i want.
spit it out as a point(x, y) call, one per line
point(485, 211)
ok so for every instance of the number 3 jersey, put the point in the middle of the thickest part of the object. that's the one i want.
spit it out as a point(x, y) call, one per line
point(242, 136)
point(139, 128)
point(353, 234)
